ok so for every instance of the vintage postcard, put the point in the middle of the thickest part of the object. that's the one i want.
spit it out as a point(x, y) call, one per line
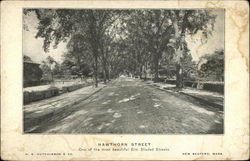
point(125, 80)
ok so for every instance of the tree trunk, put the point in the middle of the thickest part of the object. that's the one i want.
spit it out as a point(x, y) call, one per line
point(140, 72)
point(145, 71)
point(94, 43)
point(135, 68)
point(107, 68)
point(107, 73)
point(179, 52)
point(110, 69)
point(96, 72)
point(104, 71)
point(104, 76)
point(95, 54)
point(156, 63)
point(179, 76)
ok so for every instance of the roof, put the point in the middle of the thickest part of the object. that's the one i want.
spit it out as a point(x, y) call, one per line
point(30, 62)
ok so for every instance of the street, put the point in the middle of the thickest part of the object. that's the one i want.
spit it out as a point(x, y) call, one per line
point(130, 106)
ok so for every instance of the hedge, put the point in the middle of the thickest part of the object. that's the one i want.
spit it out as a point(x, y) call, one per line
point(73, 87)
point(214, 87)
point(53, 91)
point(209, 86)
point(39, 95)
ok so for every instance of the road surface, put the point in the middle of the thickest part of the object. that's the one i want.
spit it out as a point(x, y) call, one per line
point(130, 106)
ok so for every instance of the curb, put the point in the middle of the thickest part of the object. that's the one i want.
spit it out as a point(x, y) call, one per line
point(76, 102)
point(32, 122)
point(206, 102)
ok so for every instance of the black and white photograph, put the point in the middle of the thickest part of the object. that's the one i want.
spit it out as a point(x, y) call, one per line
point(123, 71)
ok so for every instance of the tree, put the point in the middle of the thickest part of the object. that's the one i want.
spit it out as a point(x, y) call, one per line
point(60, 24)
point(48, 66)
point(57, 71)
point(164, 33)
point(149, 32)
point(188, 22)
point(72, 66)
point(46, 71)
point(78, 58)
point(121, 41)
point(211, 66)
point(50, 61)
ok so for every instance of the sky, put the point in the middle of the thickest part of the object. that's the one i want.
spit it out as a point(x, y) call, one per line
point(214, 42)
point(32, 47)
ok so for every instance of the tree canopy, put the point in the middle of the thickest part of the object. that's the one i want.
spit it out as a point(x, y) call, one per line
point(211, 66)
point(114, 42)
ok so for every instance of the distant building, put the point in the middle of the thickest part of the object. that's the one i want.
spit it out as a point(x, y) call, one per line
point(32, 73)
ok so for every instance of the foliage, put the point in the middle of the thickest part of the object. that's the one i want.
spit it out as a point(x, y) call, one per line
point(113, 42)
point(211, 66)
point(71, 67)
point(50, 67)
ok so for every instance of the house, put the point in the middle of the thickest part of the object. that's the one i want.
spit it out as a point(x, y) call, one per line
point(32, 73)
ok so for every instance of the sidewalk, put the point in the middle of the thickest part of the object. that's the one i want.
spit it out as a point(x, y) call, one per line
point(57, 84)
point(36, 93)
point(45, 109)
point(210, 98)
